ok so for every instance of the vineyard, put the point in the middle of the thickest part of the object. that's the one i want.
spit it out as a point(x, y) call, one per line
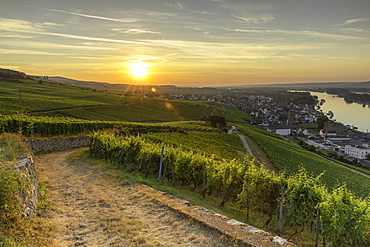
point(290, 159)
point(54, 126)
point(221, 146)
point(256, 189)
point(52, 99)
point(308, 193)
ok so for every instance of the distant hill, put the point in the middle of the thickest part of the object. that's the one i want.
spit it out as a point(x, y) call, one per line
point(8, 73)
point(76, 82)
point(308, 86)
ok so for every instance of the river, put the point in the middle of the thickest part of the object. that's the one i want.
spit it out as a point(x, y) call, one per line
point(353, 114)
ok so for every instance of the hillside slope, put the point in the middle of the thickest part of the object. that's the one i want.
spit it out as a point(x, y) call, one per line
point(43, 97)
point(91, 208)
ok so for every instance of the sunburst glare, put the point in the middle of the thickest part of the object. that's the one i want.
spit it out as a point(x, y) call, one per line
point(139, 69)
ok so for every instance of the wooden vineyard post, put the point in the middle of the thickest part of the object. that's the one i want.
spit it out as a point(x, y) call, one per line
point(166, 164)
point(204, 180)
point(318, 226)
point(150, 161)
point(280, 226)
point(160, 164)
point(119, 157)
point(247, 199)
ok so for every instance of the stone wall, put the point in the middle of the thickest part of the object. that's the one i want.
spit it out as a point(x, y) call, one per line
point(29, 194)
point(57, 144)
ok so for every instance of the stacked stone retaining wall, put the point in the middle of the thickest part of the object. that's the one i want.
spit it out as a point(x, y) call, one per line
point(29, 194)
point(57, 144)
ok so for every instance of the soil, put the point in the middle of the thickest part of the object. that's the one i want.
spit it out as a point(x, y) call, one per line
point(90, 206)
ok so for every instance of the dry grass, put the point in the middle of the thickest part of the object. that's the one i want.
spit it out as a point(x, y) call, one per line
point(90, 208)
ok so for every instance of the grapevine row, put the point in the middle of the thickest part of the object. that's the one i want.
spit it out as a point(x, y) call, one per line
point(290, 158)
point(32, 125)
point(344, 218)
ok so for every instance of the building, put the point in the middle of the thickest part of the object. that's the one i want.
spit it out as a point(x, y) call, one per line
point(281, 130)
point(359, 152)
point(335, 127)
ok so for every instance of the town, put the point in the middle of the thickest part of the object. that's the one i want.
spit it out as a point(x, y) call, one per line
point(289, 114)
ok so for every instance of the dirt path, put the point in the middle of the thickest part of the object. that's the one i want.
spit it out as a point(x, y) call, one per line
point(259, 154)
point(245, 144)
point(91, 208)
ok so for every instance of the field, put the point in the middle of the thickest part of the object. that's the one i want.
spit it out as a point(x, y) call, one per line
point(47, 98)
point(289, 158)
point(255, 189)
point(219, 145)
point(129, 130)
point(43, 98)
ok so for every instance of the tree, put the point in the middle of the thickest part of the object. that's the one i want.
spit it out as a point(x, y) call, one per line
point(355, 161)
point(321, 121)
point(333, 154)
point(216, 121)
point(283, 117)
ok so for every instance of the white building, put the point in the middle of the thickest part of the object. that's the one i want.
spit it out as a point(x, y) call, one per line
point(359, 152)
point(280, 130)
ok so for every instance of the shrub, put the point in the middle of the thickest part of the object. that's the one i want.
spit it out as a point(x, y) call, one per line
point(11, 146)
point(9, 186)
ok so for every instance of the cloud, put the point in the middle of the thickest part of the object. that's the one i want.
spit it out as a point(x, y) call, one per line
point(134, 31)
point(12, 25)
point(352, 21)
point(28, 52)
point(217, 1)
point(176, 5)
point(223, 53)
point(43, 45)
point(245, 7)
point(16, 36)
point(93, 16)
point(140, 58)
point(357, 30)
point(256, 19)
point(71, 36)
point(20, 26)
point(290, 32)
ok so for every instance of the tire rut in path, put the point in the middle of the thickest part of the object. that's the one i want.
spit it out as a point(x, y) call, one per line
point(90, 208)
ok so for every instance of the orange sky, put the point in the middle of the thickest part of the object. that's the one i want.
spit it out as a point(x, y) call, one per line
point(192, 43)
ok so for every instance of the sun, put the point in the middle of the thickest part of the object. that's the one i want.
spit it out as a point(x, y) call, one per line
point(139, 69)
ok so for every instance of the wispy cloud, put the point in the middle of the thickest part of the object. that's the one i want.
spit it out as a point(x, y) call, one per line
point(28, 52)
point(94, 16)
point(49, 45)
point(139, 13)
point(16, 36)
point(134, 31)
point(15, 25)
point(176, 5)
point(140, 58)
point(352, 21)
point(223, 53)
point(245, 7)
point(357, 30)
point(290, 32)
point(256, 19)
point(20, 26)
point(71, 36)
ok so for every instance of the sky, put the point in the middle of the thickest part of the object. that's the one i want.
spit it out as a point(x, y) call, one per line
point(188, 42)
